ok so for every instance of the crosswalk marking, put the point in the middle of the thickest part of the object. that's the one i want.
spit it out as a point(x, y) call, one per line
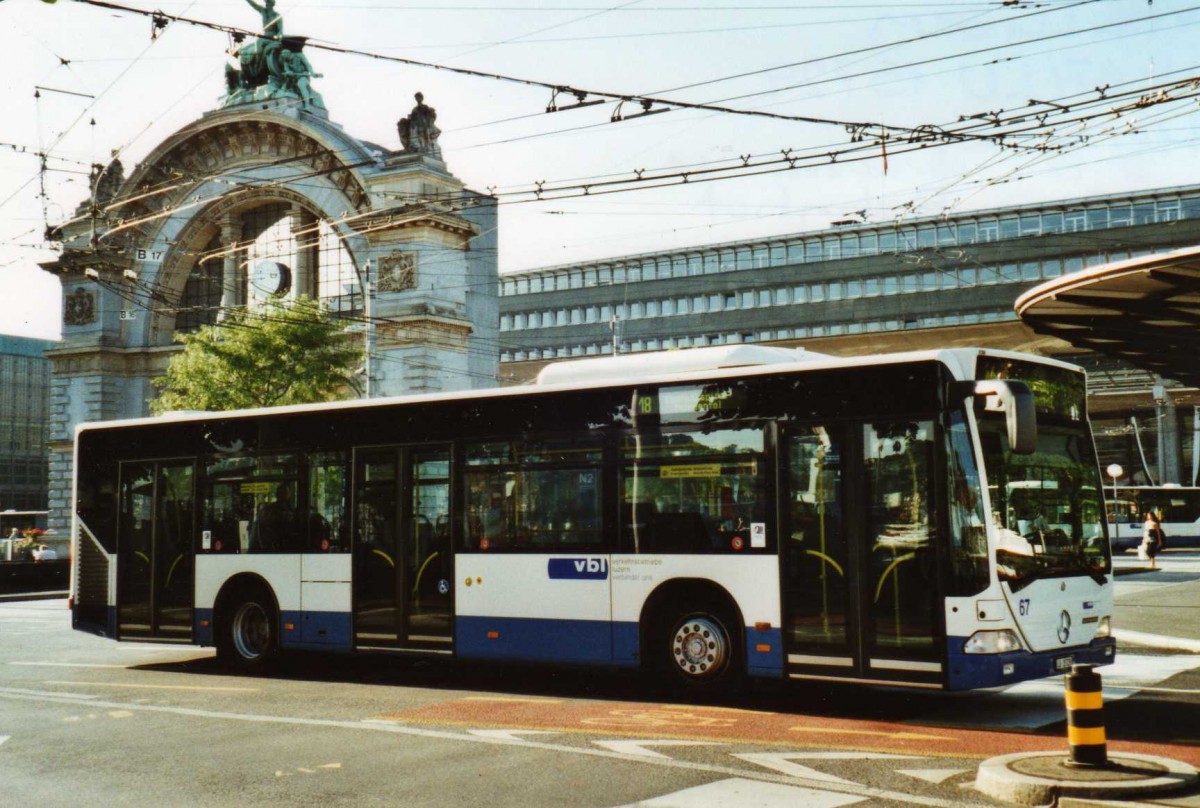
point(785, 762)
point(1128, 674)
point(1038, 703)
point(935, 776)
point(628, 747)
point(509, 734)
point(1157, 641)
point(748, 794)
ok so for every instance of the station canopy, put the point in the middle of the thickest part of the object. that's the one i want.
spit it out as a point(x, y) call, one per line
point(1145, 311)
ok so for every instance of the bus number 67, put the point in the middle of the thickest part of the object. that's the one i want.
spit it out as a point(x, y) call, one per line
point(1023, 606)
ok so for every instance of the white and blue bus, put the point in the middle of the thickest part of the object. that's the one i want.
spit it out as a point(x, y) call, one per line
point(706, 515)
point(1177, 507)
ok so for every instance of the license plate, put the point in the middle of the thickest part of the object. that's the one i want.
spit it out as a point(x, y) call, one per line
point(1064, 663)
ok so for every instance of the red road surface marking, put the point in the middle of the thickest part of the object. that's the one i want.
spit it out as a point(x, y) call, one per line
point(692, 722)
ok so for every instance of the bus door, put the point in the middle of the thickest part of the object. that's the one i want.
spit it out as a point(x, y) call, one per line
point(859, 583)
point(402, 552)
point(155, 586)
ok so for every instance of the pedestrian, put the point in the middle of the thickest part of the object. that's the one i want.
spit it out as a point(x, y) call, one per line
point(1152, 539)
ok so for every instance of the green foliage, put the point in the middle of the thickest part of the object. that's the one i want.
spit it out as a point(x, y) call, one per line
point(282, 353)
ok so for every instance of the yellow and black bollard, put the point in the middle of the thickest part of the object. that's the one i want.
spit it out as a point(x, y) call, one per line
point(1085, 718)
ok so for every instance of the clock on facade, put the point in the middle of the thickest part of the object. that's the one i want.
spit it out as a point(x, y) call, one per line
point(271, 278)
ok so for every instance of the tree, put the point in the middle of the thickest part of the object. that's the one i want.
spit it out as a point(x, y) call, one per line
point(282, 353)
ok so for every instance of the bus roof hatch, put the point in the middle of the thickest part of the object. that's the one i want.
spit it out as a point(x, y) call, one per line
point(659, 363)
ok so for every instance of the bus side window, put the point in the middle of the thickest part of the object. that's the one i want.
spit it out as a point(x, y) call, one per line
point(696, 492)
point(539, 495)
point(274, 529)
point(488, 508)
point(328, 492)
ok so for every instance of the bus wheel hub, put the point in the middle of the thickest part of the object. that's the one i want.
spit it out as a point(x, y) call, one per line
point(699, 647)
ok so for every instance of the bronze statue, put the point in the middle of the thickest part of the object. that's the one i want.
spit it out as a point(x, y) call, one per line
point(296, 72)
point(272, 23)
point(271, 66)
point(418, 132)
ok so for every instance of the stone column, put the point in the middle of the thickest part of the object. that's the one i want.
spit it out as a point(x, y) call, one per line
point(1170, 451)
point(230, 287)
point(304, 228)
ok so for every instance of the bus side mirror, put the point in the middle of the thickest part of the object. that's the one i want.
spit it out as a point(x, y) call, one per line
point(1014, 399)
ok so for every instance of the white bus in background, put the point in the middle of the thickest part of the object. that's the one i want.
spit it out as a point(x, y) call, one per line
point(705, 515)
point(1177, 507)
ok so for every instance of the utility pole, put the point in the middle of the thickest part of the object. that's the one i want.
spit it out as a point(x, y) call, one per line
point(368, 310)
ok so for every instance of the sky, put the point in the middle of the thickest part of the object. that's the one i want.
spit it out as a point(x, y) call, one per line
point(80, 81)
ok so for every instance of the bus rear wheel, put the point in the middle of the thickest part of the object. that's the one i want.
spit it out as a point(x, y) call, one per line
point(249, 638)
point(699, 649)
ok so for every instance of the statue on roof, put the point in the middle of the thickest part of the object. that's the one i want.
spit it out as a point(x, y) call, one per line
point(272, 66)
point(272, 23)
point(105, 182)
point(418, 132)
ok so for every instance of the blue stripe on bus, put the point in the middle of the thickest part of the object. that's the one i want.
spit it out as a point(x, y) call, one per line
point(319, 630)
point(534, 639)
point(202, 628)
point(313, 630)
point(969, 671)
point(626, 643)
point(768, 662)
point(516, 638)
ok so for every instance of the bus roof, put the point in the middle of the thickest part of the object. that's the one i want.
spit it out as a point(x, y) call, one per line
point(660, 367)
point(657, 363)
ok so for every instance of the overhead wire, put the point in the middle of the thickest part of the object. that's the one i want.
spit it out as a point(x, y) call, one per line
point(643, 101)
point(871, 48)
point(814, 60)
point(735, 29)
point(1052, 115)
point(91, 105)
point(583, 189)
point(961, 54)
point(716, 105)
point(565, 23)
point(97, 2)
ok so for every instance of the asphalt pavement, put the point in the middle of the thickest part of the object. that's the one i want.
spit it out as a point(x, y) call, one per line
point(1158, 603)
point(132, 718)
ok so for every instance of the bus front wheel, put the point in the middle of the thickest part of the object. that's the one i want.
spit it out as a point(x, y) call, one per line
point(699, 650)
point(249, 636)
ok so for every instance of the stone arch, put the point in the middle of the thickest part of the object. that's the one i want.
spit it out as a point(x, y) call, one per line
point(436, 330)
point(262, 152)
point(228, 140)
point(168, 280)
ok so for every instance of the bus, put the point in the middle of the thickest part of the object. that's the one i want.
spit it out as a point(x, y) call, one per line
point(1177, 507)
point(703, 515)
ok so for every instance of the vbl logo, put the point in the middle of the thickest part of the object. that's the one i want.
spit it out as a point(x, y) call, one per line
point(594, 569)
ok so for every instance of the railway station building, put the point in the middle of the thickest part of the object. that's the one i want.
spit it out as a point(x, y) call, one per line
point(861, 288)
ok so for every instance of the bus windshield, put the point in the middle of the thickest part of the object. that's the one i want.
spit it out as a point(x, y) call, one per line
point(1046, 506)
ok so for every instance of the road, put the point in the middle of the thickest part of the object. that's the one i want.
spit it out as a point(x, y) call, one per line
point(87, 719)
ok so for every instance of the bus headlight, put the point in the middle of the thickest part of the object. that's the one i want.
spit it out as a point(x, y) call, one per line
point(992, 642)
point(1104, 630)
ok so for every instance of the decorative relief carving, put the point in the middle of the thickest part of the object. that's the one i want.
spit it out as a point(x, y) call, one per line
point(247, 140)
point(79, 307)
point(422, 332)
point(397, 271)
